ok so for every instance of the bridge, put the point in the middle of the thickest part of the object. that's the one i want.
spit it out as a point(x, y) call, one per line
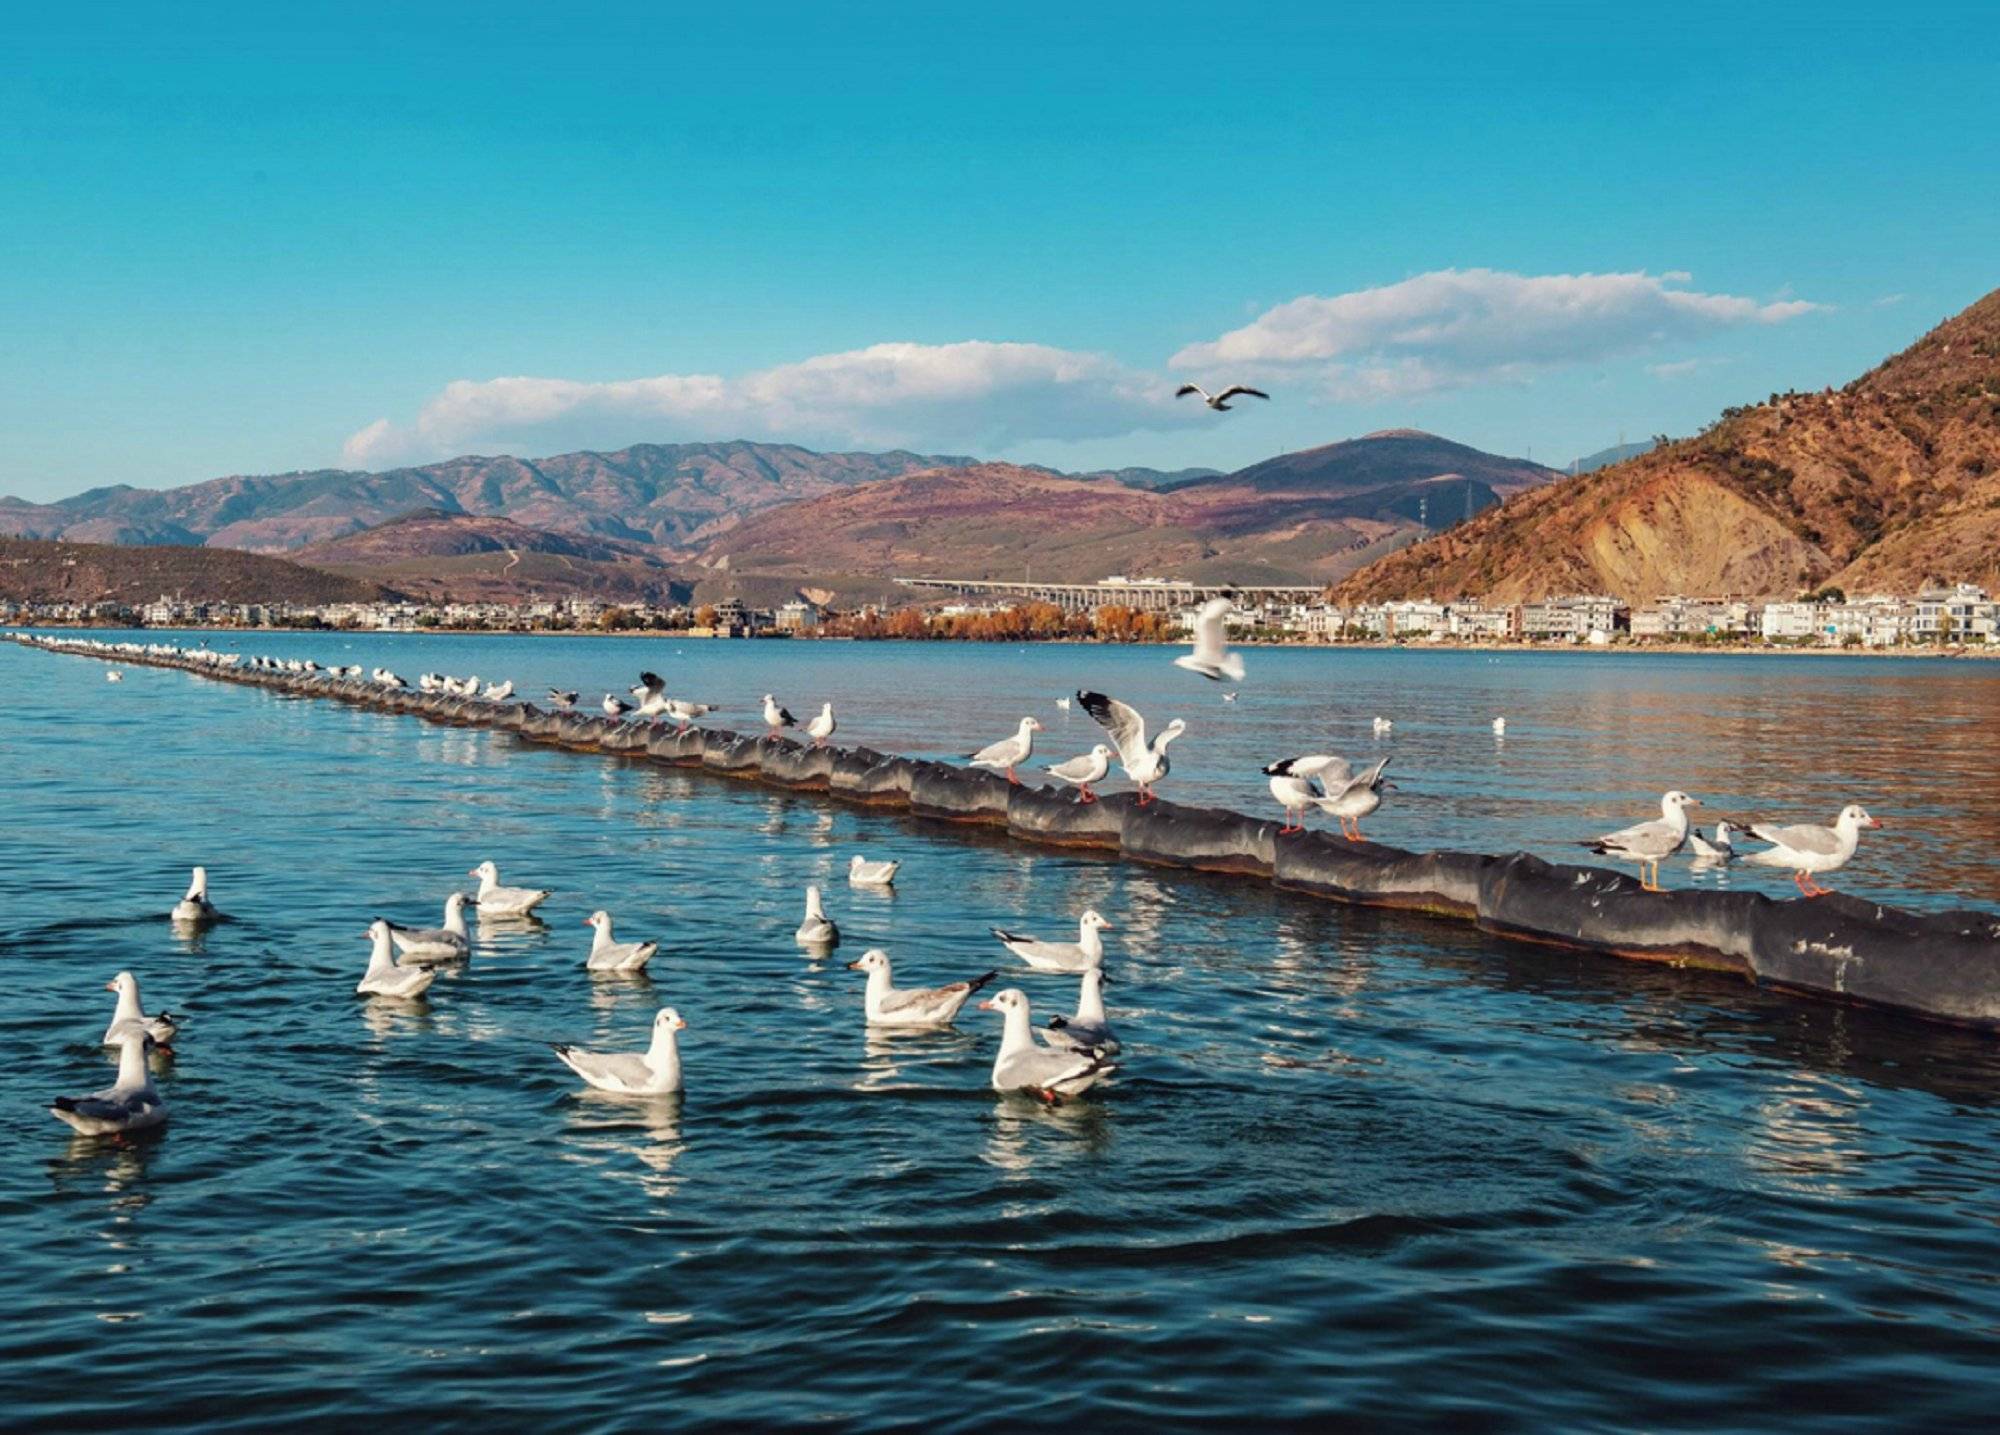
point(1148, 595)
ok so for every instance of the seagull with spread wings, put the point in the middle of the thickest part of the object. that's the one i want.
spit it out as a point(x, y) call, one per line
point(1220, 402)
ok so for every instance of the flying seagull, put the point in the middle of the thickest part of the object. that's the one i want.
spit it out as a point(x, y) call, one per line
point(1219, 402)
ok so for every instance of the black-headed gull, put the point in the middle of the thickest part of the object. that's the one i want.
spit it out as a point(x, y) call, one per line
point(651, 691)
point(615, 707)
point(1083, 772)
point(1080, 955)
point(162, 1027)
point(1499, 727)
point(1220, 402)
point(499, 692)
point(608, 955)
point(1808, 849)
point(1211, 656)
point(1351, 797)
point(776, 717)
point(131, 1103)
point(448, 943)
point(1145, 763)
point(195, 907)
point(1089, 1029)
point(383, 977)
point(864, 873)
point(821, 727)
point(1025, 1065)
point(1383, 727)
point(1008, 753)
point(1717, 849)
point(1292, 780)
point(656, 1071)
point(686, 713)
point(817, 930)
point(560, 699)
point(913, 1006)
point(495, 900)
point(1650, 843)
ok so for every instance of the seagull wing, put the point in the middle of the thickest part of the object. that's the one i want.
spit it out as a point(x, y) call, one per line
point(1122, 721)
point(1185, 389)
point(1211, 640)
point(1819, 841)
point(1234, 389)
point(653, 683)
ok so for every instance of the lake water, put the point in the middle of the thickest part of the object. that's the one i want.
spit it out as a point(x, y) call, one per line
point(1356, 1166)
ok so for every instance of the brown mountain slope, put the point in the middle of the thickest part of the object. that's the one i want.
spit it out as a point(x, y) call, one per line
point(1885, 485)
point(456, 556)
point(36, 571)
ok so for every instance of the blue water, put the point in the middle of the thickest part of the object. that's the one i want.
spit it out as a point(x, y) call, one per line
point(1356, 1166)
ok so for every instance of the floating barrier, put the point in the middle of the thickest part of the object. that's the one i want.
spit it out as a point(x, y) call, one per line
point(1942, 966)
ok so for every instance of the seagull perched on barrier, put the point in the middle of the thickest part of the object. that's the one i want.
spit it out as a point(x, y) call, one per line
point(1008, 753)
point(615, 707)
point(560, 699)
point(651, 691)
point(1220, 402)
point(821, 728)
point(1353, 799)
point(1081, 772)
point(1211, 656)
point(686, 713)
point(1292, 784)
point(1145, 763)
point(776, 718)
point(1809, 849)
point(1650, 843)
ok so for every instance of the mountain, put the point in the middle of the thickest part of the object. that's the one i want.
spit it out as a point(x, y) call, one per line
point(1605, 457)
point(1149, 477)
point(1382, 462)
point(1884, 486)
point(468, 558)
point(671, 495)
point(47, 571)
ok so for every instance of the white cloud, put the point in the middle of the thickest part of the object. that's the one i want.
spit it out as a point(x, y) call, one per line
point(975, 396)
point(1460, 326)
point(1678, 369)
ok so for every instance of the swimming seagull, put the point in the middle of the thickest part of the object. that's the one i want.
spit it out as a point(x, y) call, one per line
point(560, 699)
point(863, 873)
point(1718, 849)
point(607, 955)
point(821, 728)
point(1353, 798)
point(448, 943)
point(1499, 727)
point(1081, 772)
point(1211, 656)
point(1220, 402)
point(131, 1103)
point(1229, 697)
point(1383, 726)
point(1650, 843)
point(1809, 849)
point(130, 1016)
point(195, 907)
point(1009, 752)
point(912, 1006)
point(817, 930)
point(497, 901)
point(1022, 1065)
point(776, 718)
point(1292, 784)
point(1145, 763)
point(1081, 955)
point(656, 1071)
point(114, 676)
point(383, 977)
point(1088, 1029)
point(1063, 703)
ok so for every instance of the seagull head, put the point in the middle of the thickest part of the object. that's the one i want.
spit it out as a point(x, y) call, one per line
point(1674, 802)
point(667, 1019)
point(486, 872)
point(873, 961)
point(123, 984)
point(1855, 816)
point(600, 920)
point(1006, 1002)
point(1092, 922)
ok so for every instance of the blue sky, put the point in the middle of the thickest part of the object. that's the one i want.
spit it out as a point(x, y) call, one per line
point(262, 238)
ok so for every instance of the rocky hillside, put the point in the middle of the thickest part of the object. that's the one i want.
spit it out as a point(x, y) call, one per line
point(34, 571)
point(1388, 460)
point(1885, 485)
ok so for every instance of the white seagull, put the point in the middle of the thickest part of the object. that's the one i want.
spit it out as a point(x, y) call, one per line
point(1008, 753)
point(913, 1006)
point(1145, 763)
point(1063, 703)
point(1717, 849)
point(686, 713)
point(383, 977)
point(114, 676)
point(607, 955)
point(448, 943)
point(1383, 726)
point(499, 692)
point(497, 901)
point(1499, 727)
point(817, 930)
point(560, 699)
point(1081, 772)
point(195, 906)
point(131, 1103)
point(776, 718)
point(652, 694)
point(614, 706)
point(656, 1071)
point(1081, 955)
point(1211, 656)
point(1808, 849)
point(1220, 402)
point(1088, 1029)
point(1351, 798)
point(863, 873)
point(1650, 843)
point(1292, 784)
point(130, 1016)
point(1024, 1065)
point(821, 728)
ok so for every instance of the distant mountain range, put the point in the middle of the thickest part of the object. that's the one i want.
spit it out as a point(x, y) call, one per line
point(1605, 457)
point(1883, 486)
point(468, 558)
point(33, 571)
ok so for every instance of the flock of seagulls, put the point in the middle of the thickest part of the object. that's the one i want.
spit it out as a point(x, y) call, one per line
point(1806, 850)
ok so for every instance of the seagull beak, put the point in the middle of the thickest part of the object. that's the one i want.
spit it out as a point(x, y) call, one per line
point(987, 1006)
point(854, 966)
point(588, 923)
point(111, 986)
point(1874, 822)
point(680, 1023)
point(1694, 802)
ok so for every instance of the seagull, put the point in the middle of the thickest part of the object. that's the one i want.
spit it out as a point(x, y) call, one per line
point(131, 1103)
point(1005, 754)
point(497, 901)
point(1650, 843)
point(817, 930)
point(656, 1071)
point(1292, 784)
point(863, 873)
point(1229, 697)
point(821, 727)
point(1088, 1029)
point(195, 907)
point(914, 1006)
point(1383, 726)
point(130, 1016)
point(615, 707)
point(448, 943)
point(1211, 656)
point(1809, 850)
point(560, 699)
point(499, 692)
point(1063, 703)
point(1081, 772)
point(1022, 1065)
point(776, 718)
point(652, 690)
point(1081, 955)
point(1499, 727)
point(1351, 798)
point(1144, 763)
point(1219, 402)
point(383, 977)
point(114, 676)
point(1718, 849)
point(686, 713)
point(609, 956)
